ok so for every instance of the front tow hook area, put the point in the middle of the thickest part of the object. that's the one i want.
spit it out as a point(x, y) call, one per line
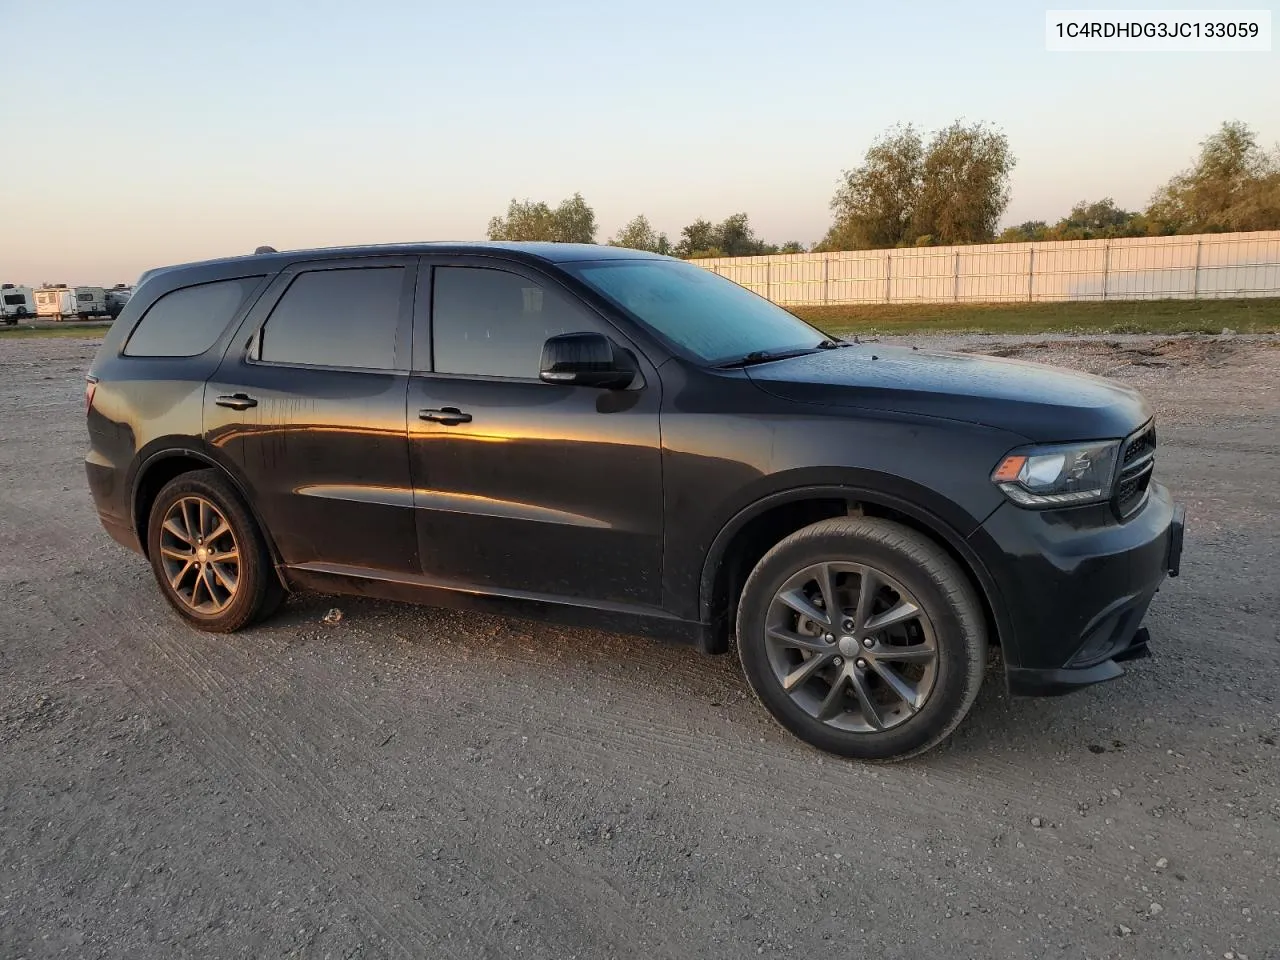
point(1177, 527)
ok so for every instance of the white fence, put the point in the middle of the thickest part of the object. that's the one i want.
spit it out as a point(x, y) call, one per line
point(1140, 268)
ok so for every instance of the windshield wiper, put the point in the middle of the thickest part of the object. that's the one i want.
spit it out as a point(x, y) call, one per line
point(768, 356)
point(762, 356)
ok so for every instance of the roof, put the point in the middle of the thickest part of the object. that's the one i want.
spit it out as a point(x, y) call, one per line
point(522, 250)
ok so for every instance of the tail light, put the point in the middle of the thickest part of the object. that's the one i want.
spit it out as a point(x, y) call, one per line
point(90, 387)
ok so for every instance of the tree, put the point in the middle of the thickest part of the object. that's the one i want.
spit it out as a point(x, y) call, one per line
point(875, 203)
point(792, 246)
point(732, 237)
point(697, 239)
point(639, 235)
point(964, 185)
point(1025, 232)
point(571, 222)
point(1099, 220)
point(907, 193)
point(1234, 185)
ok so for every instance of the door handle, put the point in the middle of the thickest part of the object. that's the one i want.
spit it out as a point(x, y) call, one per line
point(236, 401)
point(449, 416)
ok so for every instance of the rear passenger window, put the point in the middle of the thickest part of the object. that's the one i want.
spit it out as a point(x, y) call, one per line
point(187, 322)
point(493, 323)
point(337, 318)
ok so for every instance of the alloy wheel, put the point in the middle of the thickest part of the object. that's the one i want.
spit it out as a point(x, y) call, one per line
point(851, 646)
point(200, 556)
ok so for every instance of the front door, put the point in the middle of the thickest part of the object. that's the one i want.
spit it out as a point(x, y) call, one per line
point(309, 406)
point(523, 486)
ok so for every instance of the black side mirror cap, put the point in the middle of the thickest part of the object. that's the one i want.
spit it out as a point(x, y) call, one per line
point(585, 360)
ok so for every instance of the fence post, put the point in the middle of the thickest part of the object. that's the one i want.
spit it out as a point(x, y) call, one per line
point(1195, 283)
point(768, 280)
point(1106, 266)
point(1031, 271)
point(955, 293)
point(888, 275)
point(826, 278)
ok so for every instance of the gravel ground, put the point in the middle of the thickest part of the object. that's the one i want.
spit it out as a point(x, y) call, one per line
point(411, 782)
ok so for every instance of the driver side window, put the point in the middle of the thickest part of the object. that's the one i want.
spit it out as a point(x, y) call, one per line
point(493, 323)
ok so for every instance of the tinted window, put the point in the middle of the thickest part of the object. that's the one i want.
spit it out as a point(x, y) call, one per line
point(711, 317)
point(493, 323)
point(187, 322)
point(14, 299)
point(337, 318)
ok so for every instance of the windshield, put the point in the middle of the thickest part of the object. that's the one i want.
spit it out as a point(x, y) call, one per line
point(711, 317)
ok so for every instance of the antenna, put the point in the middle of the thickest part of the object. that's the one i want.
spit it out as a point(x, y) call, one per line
point(265, 249)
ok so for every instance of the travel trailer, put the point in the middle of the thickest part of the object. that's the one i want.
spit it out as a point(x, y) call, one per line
point(117, 297)
point(61, 302)
point(16, 303)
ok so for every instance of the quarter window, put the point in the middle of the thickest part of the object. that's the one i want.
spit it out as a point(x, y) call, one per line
point(188, 322)
point(337, 318)
point(492, 323)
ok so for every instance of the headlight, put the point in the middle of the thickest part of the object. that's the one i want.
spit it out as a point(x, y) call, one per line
point(1066, 475)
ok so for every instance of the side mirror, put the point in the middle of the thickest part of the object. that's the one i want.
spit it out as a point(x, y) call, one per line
point(585, 360)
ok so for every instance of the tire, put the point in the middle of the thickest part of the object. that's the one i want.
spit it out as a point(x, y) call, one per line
point(910, 683)
point(201, 594)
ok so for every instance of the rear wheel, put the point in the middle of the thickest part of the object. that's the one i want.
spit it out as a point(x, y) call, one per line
point(208, 555)
point(863, 638)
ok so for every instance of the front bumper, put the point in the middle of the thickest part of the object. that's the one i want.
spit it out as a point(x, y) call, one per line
point(1074, 586)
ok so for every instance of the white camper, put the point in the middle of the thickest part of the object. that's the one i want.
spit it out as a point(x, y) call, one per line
point(60, 302)
point(16, 303)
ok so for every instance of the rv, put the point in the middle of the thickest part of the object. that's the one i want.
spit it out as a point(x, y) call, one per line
point(16, 303)
point(58, 302)
point(117, 297)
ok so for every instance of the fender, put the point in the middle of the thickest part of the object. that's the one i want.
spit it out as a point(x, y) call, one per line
point(943, 529)
point(159, 451)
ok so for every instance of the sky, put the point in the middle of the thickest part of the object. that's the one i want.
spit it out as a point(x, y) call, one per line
point(145, 132)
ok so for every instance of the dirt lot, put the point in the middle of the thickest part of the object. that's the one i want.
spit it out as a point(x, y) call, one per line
point(411, 782)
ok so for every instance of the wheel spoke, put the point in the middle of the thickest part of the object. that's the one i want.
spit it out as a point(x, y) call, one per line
point(903, 690)
point(202, 517)
point(797, 601)
point(867, 587)
point(833, 703)
point(226, 556)
point(206, 577)
point(196, 584)
point(799, 641)
point(177, 578)
point(869, 711)
point(827, 585)
point(172, 526)
point(183, 555)
point(803, 672)
point(227, 581)
point(916, 653)
point(219, 529)
point(904, 610)
point(192, 531)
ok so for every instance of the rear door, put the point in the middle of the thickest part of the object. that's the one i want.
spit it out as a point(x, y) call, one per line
point(534, 488)
point(309, 406)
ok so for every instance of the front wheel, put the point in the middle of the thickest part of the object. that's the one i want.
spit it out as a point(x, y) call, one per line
point(863, 638)
point(208, 555)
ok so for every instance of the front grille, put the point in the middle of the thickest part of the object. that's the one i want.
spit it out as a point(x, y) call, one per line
point(1140, 445)
point(1137, 461)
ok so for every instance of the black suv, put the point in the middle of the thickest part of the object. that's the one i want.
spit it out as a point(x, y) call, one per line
point(600, 436)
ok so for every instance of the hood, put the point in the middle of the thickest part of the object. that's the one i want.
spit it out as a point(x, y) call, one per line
point(1042, 403)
